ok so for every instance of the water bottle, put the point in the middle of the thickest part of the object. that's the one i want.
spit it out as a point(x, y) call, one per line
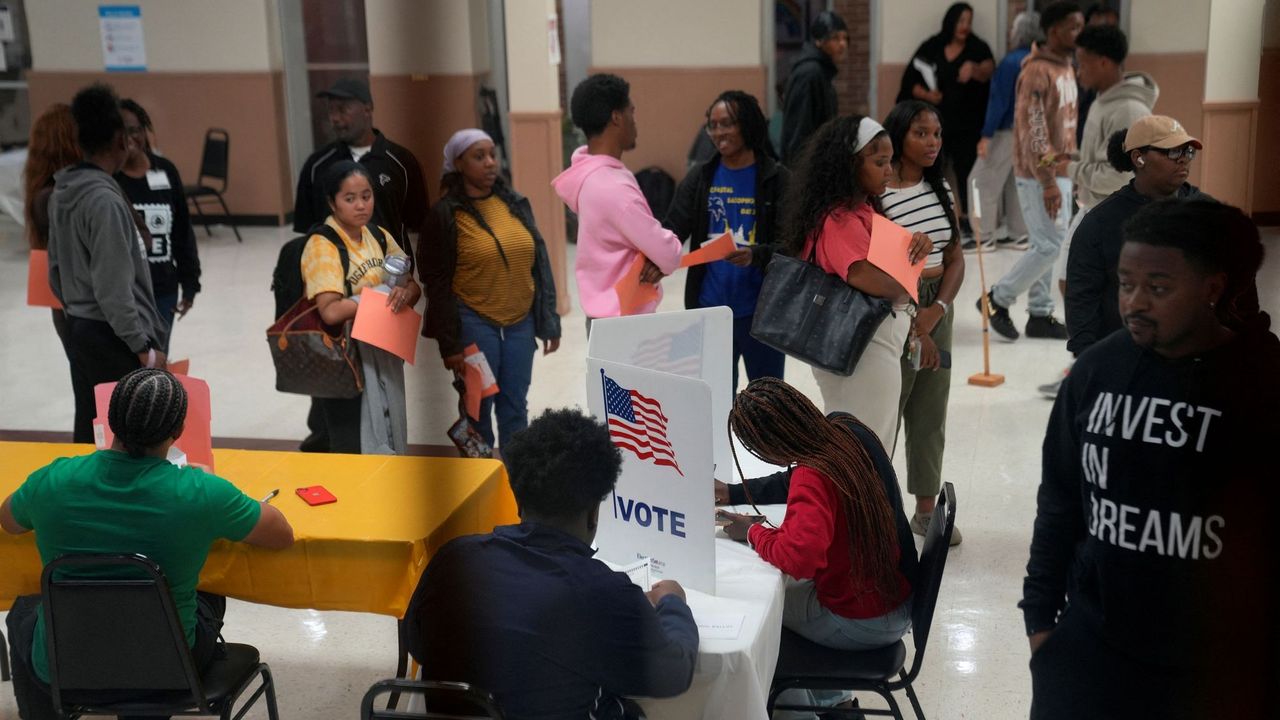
point(397, 269)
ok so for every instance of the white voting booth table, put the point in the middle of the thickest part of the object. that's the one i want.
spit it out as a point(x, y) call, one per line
point(662, 383)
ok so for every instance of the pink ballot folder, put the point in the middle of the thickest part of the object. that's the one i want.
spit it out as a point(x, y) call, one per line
point(196, 440)
point(397, 333)
point(889, 244)
point(633, 294)
point(39, 294)
point(478, 378)
point(710, 252)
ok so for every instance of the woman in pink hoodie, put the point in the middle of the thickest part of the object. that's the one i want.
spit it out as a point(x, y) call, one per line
point(614, 220)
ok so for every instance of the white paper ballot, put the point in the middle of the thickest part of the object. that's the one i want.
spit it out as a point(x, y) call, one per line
point(927, 72)
point(637, 571)
point(720, 626)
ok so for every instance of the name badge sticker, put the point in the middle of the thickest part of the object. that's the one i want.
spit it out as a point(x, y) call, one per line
point(157, 180)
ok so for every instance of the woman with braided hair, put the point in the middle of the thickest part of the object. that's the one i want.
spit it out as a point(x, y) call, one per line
point(845, 542)
point(131, 500)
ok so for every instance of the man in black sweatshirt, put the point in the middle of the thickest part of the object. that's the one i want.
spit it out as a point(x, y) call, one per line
point(1151, 589)
point(810, 98)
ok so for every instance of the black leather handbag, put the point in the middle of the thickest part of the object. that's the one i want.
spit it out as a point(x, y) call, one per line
point(814, 316)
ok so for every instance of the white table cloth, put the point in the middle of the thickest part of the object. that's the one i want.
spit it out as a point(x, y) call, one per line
point(732, 678)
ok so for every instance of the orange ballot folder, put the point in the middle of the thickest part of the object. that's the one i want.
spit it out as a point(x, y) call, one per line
point(39, 294)
point(196, 440)
point(178, 367)
point(479, 379)
point(710, 252)
point(633, 294)
point(889, 245)
point(397, 333)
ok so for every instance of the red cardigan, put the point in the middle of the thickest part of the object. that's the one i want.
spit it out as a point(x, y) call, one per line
point(812, 543)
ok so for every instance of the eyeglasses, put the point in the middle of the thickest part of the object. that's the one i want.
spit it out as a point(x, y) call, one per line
point(712, 125)
point(1177, 153)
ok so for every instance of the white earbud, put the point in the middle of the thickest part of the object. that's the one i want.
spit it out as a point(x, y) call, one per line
point(1139, 162)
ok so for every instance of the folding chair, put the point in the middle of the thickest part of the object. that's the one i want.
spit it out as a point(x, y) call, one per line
point(117, 647)
point(442, 701)
point(4, 659)
point(215, 161)
point(806, 665)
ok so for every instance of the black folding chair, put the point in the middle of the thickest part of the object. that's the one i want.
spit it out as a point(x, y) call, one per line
point(442, 701)
point(214, 164)
point(117, 647)
point(806, 665)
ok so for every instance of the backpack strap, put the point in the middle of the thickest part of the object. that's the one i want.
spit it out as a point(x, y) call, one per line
point(332, 236)
point(379, 235)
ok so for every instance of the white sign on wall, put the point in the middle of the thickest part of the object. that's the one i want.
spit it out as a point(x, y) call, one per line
point(691, 343)
point(663, 506)
point(123, 48)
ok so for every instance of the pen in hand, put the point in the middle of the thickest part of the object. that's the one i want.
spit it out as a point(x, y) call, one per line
point(270, 495)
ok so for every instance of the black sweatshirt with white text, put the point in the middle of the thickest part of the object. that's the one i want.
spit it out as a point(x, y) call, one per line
point(1156, 513)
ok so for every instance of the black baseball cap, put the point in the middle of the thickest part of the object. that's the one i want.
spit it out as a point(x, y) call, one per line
point(348, 89)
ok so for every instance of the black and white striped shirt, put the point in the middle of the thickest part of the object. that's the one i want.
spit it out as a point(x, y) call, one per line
point(918, 209)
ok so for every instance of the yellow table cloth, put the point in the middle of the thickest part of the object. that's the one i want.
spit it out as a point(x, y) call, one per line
point(363, 553)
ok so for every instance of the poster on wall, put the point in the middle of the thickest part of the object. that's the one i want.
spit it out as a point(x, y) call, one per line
point(123, 48)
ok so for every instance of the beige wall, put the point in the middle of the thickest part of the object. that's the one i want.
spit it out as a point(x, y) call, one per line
point(417, 37)
point(675, 33)
point(904, 25)
point(1235, 49)
point(1168, 26)
point(180, 35)
point(533, 83)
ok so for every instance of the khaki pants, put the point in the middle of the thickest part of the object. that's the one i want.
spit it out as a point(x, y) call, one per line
point(993, 175)
point(923, 406)
point(871, 392)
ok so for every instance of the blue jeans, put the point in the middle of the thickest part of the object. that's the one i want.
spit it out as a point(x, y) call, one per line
point(1033, 273)
point(760, 359)
point(167, 305)
point(805, 616)
point(509, 351)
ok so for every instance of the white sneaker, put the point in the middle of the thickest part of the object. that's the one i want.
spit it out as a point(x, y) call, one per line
point(1050, 390)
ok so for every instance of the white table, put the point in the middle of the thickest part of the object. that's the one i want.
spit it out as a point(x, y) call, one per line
point(732, 678)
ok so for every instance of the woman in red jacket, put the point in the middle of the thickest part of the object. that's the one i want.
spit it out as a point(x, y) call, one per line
point(845, 542)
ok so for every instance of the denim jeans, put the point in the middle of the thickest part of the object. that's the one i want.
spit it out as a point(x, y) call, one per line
point(167, 306)
point(805, 616)
point(509, 351)
point(1033, 272)
point(760, 359)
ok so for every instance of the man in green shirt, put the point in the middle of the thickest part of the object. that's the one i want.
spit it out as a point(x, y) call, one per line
point(125, 500)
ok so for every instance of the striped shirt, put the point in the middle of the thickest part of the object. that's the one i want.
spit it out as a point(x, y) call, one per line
point(918, 209)
point(501, 292)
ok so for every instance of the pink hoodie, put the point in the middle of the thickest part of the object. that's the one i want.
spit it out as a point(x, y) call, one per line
point(614, 223)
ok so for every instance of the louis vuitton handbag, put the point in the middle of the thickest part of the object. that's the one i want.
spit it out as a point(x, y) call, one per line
point(814, 316)
point(312, 358)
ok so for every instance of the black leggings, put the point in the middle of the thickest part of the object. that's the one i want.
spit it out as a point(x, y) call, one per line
point(35, 701)
point(97, 356)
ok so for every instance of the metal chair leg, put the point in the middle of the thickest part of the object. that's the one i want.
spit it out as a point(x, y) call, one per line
point(200, 211)
point(227, 213)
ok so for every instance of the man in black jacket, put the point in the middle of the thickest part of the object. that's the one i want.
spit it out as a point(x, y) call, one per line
point(810, 98)
point(1152, 583)
point(400, 199)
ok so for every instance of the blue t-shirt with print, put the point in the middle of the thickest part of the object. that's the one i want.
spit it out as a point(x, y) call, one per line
point(731, 205)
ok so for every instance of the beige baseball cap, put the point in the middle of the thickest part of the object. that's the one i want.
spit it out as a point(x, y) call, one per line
point(1158, 131)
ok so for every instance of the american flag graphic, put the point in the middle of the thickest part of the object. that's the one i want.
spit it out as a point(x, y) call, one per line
point(636, 423)
point(678, 353)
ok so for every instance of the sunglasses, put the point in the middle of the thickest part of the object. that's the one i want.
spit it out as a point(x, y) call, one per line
point(1177, 153)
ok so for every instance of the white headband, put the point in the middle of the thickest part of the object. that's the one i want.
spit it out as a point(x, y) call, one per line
point(867, 130)
point(458, 144)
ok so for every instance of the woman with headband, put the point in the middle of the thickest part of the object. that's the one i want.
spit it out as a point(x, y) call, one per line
point(488, 279)
point(833, 194)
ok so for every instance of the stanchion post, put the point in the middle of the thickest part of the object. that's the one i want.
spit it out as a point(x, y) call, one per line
point(985, 378)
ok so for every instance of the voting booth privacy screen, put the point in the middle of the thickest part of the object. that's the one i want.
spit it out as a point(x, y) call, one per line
point(663, 506)
point(690, 343)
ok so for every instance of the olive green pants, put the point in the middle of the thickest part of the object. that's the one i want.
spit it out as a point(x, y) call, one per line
point(922, 407)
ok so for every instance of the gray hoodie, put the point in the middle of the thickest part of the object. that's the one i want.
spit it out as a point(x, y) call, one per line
point(1114, 109)
point(97, 261)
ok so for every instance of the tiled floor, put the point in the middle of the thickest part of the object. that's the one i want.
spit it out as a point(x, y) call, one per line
point(324, 661)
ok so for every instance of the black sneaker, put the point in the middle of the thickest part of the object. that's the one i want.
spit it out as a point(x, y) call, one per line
point(971, 246)
point(999, 319)
point(1022, 242)
point(1046, 327)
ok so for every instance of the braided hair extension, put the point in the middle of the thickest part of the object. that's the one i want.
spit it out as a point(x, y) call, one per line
point(745, 110)
point(779, 425)
point(147, 408)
